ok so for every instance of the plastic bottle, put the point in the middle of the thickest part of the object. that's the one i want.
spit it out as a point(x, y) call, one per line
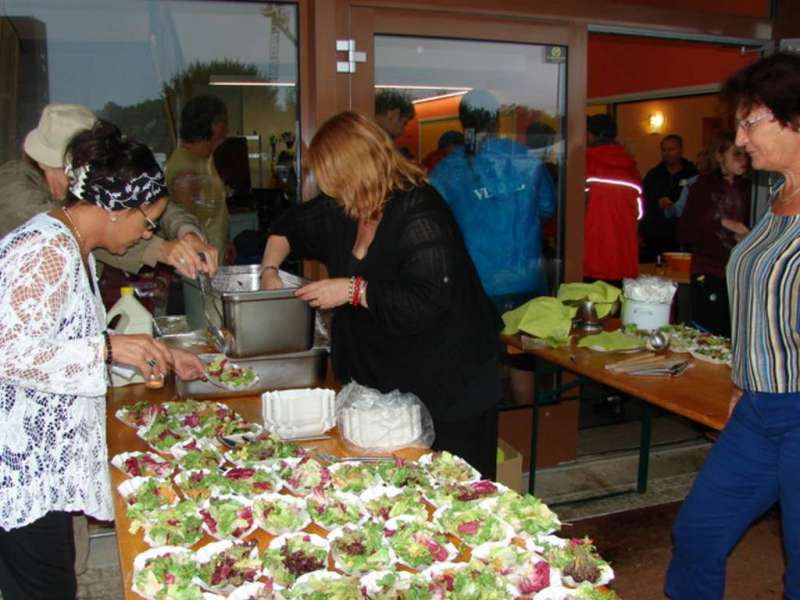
point(133, 319)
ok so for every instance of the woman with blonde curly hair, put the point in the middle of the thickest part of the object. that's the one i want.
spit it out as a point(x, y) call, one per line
point(409, 310)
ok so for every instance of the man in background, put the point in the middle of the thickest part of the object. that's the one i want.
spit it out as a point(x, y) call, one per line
point(393, 111)
point(662, 189)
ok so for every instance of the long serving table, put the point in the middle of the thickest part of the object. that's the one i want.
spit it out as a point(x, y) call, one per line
point(122, 438)
point(702, 394)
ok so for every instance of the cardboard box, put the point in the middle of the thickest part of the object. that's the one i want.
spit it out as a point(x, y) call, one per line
point(509, 472)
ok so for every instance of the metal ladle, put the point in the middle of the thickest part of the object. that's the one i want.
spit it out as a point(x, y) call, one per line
point(659, 341)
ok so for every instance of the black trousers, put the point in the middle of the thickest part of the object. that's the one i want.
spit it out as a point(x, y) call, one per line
point(473, 439)
point(710, 307)
point(37, 561)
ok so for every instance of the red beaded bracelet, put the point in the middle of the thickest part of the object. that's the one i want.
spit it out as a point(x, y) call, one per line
point(357, 283)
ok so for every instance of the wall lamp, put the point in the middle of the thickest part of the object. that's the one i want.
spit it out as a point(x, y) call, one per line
point(655, 122)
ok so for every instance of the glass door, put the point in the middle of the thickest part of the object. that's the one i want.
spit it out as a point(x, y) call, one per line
point(482, 107)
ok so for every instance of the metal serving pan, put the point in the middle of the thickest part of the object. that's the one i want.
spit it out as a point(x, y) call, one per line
point(262, 322)
point(281, 371)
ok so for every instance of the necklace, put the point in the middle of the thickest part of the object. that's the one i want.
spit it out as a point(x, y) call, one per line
point(74, 228)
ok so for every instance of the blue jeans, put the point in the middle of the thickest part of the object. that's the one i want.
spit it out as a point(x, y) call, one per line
point(754, 463)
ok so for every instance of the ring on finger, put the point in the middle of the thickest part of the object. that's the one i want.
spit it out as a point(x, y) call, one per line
point(182, 260)
point(152, 363)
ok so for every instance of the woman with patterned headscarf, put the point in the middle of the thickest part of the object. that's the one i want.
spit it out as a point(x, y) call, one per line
point(54, 352)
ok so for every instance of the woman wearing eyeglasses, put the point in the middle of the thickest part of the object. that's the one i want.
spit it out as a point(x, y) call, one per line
point(714, 220)
point(54, 352)
point(756, 460)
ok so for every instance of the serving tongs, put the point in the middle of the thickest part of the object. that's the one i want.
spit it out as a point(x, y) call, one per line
point(221, 338)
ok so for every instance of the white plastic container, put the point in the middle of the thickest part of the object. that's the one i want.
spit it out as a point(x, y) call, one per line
point(134, 318)
point(647, 316)
point(299, 412)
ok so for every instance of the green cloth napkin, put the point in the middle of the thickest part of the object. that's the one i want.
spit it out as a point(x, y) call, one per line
point(611, 341)
point(544, 317)
point(599, 292)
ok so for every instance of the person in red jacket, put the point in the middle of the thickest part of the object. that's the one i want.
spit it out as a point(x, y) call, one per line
point(613, 206)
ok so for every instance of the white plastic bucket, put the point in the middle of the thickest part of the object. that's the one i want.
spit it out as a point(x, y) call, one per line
point(647, 316)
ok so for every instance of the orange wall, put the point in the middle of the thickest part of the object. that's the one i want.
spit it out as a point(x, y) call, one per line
point(683, 116)
point(624, 65)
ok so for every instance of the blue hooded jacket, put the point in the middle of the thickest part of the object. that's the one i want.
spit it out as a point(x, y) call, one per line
point(500, 196)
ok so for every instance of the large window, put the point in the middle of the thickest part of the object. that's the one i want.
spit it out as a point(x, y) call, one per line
point(137, 62)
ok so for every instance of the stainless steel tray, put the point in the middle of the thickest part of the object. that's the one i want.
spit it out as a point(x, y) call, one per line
point(282, 371)
point(262, 322)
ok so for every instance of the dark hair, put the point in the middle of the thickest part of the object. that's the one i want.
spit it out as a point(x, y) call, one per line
point(539, 135)
point(109, 153)
point(478, 110)
point(603, 127)
point(198, 115)
point(387, 100)
point(450, 137)
point(673, 137)
point(773, 81)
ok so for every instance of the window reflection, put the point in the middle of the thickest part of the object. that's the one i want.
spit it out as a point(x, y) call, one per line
point(136, 63)
point(515, 242)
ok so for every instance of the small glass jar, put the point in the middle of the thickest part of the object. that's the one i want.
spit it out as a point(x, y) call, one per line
point(154, 381)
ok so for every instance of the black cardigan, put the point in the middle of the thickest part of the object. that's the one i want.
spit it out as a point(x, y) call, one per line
point(430, 329)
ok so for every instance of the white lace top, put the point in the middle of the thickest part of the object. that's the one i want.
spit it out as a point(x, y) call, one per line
point(52, 378)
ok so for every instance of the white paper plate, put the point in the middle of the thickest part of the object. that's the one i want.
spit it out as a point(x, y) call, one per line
point(339, 532)
point(118, 461)
point(245, 502)
point(505, 528)
point(427, 462)
point(295, 504)
point(369, 582)
point(141, 559)
point(397, 522)
point(206, 554)
point(249, 590)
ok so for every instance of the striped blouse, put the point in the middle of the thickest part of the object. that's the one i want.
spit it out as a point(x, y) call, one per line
point(763, 276)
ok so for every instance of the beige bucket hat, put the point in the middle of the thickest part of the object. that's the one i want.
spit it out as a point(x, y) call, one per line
point(59, 122)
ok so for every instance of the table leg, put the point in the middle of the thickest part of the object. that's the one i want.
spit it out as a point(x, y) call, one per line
point(644, 447)
point(538, 374)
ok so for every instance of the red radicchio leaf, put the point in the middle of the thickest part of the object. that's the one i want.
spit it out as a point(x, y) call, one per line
point(438, 552)
point(470, 527)
point(238, 473)
point(209, 521)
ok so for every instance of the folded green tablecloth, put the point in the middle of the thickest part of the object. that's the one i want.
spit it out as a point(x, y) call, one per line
point(544, 317)
point(601, 293)
point(611, 341)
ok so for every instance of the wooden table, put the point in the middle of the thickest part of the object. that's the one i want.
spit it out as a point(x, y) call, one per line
point(701, 394)
point(122, 438)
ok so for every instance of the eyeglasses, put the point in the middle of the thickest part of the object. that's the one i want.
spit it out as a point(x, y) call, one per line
point(749, 122)
point(149, 224)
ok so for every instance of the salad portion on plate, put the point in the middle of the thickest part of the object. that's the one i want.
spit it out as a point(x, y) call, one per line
point(301, 475)
point(353, 476)
point(472, 524)
point(278, 513)
point(142, 464)
point(144, 495)
point(357, 550)
point(472, 491)
point(196, 454)
point(223, 566)
point(467, 581)
point(167, 573)
point(264, 449)
point(404, 473)
point(140, 414)
point(448, 468)
point(200, 484)
point(330, 509)
point(384, 503)
point(325, 585)
point(576, 559)
point(163, 434)
point(418, 544)
point(176, 525)
point(256, 591)
point(230, 376)
point(394, 585)
point(227, 517)
point(250, 481)
point(292, 555)
point(526, 513)
point(525, 570)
